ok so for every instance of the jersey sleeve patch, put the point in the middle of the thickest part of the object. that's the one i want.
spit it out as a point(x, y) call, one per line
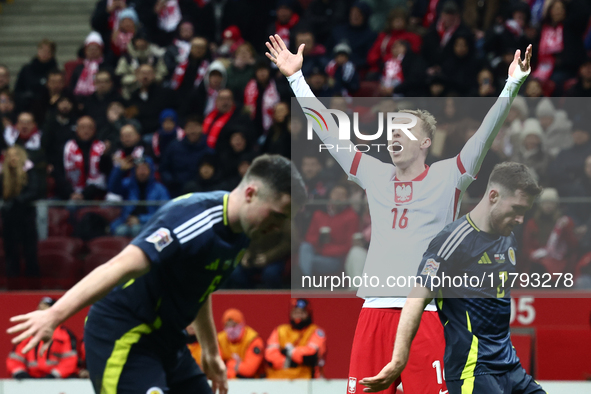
point(431, 267)
point(161, 238)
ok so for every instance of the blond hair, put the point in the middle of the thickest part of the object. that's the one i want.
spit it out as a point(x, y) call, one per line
point(428, 120)
point(14, 179)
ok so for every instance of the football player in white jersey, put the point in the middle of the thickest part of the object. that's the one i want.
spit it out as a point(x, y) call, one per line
point(409, 204)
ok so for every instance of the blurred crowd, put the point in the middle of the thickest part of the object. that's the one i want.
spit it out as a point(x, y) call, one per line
point(167, 97)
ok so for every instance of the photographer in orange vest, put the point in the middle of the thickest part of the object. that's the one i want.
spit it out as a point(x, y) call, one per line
point(241, 347)
point(296, 350)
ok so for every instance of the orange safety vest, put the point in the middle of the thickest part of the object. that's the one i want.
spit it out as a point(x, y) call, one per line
point(228, 348)
point(195, 349)
point(287, 335)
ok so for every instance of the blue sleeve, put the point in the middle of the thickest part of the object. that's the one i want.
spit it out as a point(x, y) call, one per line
point(116, 181)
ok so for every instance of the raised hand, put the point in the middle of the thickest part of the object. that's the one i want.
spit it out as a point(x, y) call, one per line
point(287, 62)
point(518, 68)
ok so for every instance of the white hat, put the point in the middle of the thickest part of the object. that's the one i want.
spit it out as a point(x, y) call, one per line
point(94, 38)
point(549, 194)
point(532, 126)
point(545, 108)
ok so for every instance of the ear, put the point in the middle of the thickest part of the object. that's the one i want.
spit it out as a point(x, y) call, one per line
point(426, 143)
point(493, 196)
point(250, 192)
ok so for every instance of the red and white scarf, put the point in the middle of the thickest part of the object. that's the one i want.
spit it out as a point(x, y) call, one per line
point(551, 43)
point(114, 17)
point(270, 98)
point(213, 125)
point(183, 48)
point(431, 13)
point(392, 75)
point(181, 69)
point(33, 142)
point(136, 153)
point(180, 134)
point(85, 84)
point(120, 41)
point(445, 34)
point(74, 166)
point(283, 30)
point(169, 16)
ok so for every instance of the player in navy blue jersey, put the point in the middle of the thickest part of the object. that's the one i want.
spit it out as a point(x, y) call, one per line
point(162, 282)
point(477, 254)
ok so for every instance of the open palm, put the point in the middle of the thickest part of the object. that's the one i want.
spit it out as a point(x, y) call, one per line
point(523, 65)
point(287, 62)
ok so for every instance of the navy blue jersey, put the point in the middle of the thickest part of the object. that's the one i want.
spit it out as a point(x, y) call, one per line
point(192, 251)
point(475, 310)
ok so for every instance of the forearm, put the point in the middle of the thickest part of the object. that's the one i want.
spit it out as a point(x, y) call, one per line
point(205, 329)
point(130, 263)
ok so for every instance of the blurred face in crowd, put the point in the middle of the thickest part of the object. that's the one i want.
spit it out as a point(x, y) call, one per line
point(398, 23)
point(142, 172)
point(13, 158)
point(298, 314)
point(584, 71)
point(243, 167)
point(193, 131)
point(339, 103)
point(341, 58)
point(244, 55)
point(548, 207)
point(198, 47)
point(103, 83)
point(533, 89)
point(168, 125)
point(55, 83)
point(588, 167)
point(485, 77)
point(310, 167)
point(215, 80)
point(557, 12)
point(546, 121)
point(317, 81)
point(356, 17)
point(262, 75)
point(129, 136)
point(186, 31)
point(93, 51)
point(43, 306)
point(461, 47)
point(6, 103)
point(580, 137)
point(305, 38)
point(237, 142)
point(284, 14)
point(141, 44)
point(338, 197)
point(295, 126)
point(145, 75)
point(85, 128)
point(4, 77)
point(520, 18)
point(64, 106)
point(449, 19)
point(206, 171)
point(225, 101)
point(127, 26)
point(398, 48)
point(531, 142)
point(44, 53)
point(25, 124)
point(281, 112)
point(115, 111)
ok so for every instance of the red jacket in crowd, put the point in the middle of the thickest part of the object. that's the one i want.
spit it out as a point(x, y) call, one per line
point(342, 225)
point(59, 361)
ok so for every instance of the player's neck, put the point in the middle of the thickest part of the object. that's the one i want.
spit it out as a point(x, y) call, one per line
point(480, 217)
point(409, 173)
point(233, 217)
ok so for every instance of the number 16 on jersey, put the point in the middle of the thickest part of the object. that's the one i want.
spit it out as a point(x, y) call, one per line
point(401, 222)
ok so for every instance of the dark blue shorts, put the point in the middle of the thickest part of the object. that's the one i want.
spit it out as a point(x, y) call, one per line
point(134, 361)
point(517, 381)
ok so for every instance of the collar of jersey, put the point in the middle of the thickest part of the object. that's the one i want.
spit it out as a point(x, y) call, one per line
point(225, 209)
point(471, 222)
point(419, 178)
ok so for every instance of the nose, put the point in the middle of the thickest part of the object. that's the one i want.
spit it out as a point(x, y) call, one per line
point(519, 219)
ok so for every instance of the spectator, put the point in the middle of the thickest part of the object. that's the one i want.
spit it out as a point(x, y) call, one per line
point(180, 160)
point(314, 53)
point(342, 75)
point(296, 350)
point(59, 128)
point(486, 85)
point(231, 40)
point(169, 131)
point(189, 73)
point(162, 17)
point(241, 69)
point(329, 236)
point(130, 148)
point(567, 167)
point(404, 72)
point(7, 113)
point(286, 22)
point(240, 142)
point(26, 134)
point(311, 169)
point(150, 99)
point(193, 345)
point(140, 186)
point(241, 347)
point(59, 361)
point(531, 150)
point(105, 18)
point(356, 34)
point(556, 125)
point(582, 88)
point(209, 177)
point(109, 134)
point(509, 33)
point(318, 81)
point(219, 125)
point(33, 75)
point(501, 64)
point(20, 188)
point(97, 104)
point(260, 96)
point(4, 77)
point(82, 82)
point(438, 42)
point(396, 29)
point(51, 92)
point(177, 52)
point(561, 50)
point(460, 67)
point(139, 52)
point(203, 98)
point(127, 27)
point(581, 212)
point(278, 139)
point(81, 175)
point(323, 16)
point(549, 241)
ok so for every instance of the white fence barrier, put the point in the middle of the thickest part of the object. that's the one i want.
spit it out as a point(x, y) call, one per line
point(336, 386)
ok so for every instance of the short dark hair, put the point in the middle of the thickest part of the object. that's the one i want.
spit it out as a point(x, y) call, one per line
point(515, 176)
point(194, 119)
point(51, 44)
point(280, 175)
point(55, 71)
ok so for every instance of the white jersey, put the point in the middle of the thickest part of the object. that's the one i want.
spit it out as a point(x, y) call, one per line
point(406, 216)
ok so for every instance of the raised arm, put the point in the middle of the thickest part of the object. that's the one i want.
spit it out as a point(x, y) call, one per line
point(473, 153)
point(131, 263)
point(325, 127)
